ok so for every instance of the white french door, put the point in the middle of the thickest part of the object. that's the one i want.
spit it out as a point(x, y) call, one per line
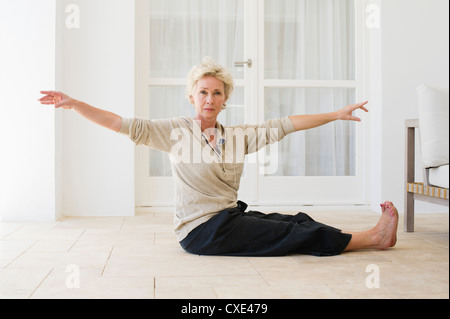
point(306, 58)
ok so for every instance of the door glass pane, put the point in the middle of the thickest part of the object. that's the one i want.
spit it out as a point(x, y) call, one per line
point(170, 102)
point(183, 32)
point(329, 150)
point(310, 39)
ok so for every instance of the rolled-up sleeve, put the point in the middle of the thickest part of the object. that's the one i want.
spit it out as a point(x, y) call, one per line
point(269, 132)
point(152, 133)
point(277, 129)
point(125, 129)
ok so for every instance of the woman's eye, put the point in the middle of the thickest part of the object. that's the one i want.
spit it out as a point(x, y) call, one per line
point(218, 93)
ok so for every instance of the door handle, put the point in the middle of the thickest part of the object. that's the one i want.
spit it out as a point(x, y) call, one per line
point(239, 64)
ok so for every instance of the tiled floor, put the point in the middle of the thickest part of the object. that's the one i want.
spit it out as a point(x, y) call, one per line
point(138, 257)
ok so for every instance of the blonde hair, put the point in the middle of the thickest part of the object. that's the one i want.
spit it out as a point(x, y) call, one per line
point(209, 67)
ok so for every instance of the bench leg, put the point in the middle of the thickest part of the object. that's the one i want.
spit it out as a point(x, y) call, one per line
point(409, 213)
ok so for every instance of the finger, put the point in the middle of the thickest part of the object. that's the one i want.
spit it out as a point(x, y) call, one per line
point(49, 101)
point(49, 92)
point(51, 95)
point(361, 106)
point(46, 98)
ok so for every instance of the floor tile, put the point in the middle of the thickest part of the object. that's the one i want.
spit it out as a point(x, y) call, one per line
point(90, 285)
point(21, 283)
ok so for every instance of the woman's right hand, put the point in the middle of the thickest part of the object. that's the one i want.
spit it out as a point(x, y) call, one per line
point(58, 99)
point(98, 116)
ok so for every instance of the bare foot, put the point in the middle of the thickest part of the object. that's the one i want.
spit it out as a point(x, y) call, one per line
point(382, 236)
point(386, 229)
point(394, 215)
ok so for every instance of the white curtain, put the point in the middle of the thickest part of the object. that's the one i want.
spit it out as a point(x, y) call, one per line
point(304, 39)
point(182, 32)
point(311, 40)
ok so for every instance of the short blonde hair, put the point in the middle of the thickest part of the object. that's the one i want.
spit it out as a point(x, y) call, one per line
point(209, 67)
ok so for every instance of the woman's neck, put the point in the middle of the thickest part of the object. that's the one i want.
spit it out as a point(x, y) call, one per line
point(206, 124)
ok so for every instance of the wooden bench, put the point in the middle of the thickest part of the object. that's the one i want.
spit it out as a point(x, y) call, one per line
point(418, 191)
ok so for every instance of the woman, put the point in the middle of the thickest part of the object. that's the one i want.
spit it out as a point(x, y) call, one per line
point(207, 162)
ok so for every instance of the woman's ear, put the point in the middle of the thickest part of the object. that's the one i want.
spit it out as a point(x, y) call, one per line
point(192, 99)
point(224, 106)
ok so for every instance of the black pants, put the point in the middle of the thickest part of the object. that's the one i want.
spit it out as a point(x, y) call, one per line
point(233, 232)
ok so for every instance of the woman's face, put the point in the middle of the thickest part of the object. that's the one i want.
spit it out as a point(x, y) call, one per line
point(209, 97)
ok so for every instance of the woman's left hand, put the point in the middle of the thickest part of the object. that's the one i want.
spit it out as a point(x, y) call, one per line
point(346, 113)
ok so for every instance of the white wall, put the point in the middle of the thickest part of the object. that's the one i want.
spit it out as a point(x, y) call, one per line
point(29, 185)
point(414, 50)
point(99, 70)
point(55, 163)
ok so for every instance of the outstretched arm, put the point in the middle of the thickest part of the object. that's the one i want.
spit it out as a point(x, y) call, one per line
point(103, 118)
point(306, 122)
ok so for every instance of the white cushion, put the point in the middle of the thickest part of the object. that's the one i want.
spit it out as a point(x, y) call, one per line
point(434, 127)
point(439, 176)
